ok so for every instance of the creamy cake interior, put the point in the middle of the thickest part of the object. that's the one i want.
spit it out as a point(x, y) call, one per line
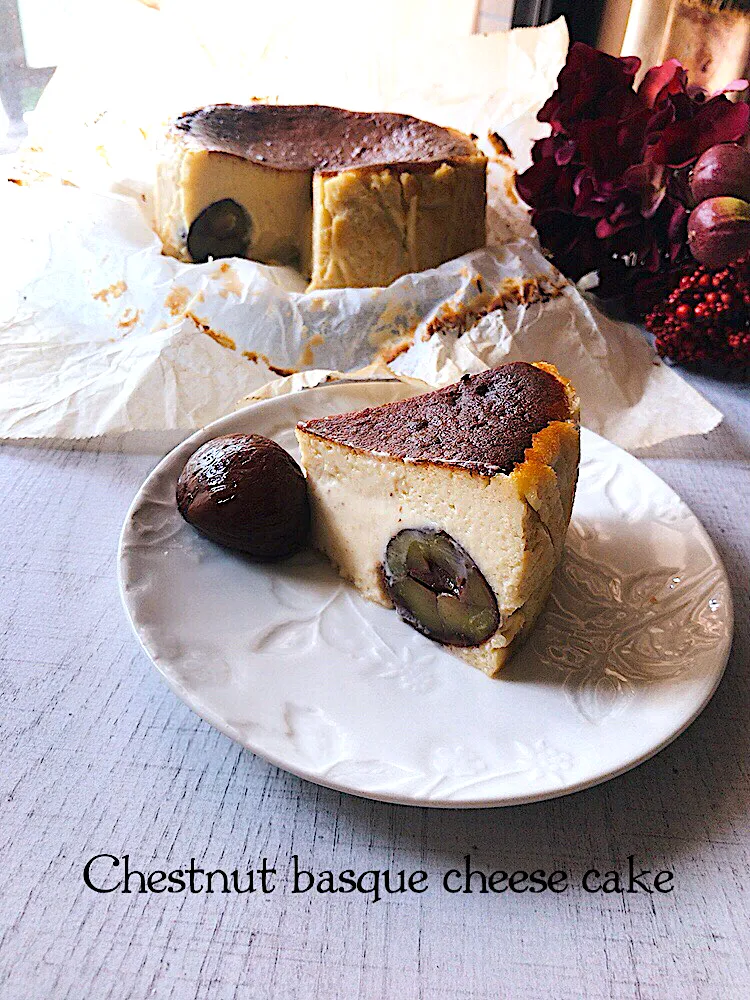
point(491, 462)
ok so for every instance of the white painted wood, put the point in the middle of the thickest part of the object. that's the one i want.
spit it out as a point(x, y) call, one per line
point(98, 756)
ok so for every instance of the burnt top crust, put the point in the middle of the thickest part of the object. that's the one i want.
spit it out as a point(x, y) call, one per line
point(315, 137)
point(482, 423)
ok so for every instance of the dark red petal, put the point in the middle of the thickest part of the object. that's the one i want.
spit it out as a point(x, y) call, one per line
point(735, 87)
point(662, 80)
point(590, 83)
point(718, 120)
point(545, 185)
point(565, 152)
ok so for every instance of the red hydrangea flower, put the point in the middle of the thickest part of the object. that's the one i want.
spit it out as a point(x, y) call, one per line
point(608, 187)
point(591, 85)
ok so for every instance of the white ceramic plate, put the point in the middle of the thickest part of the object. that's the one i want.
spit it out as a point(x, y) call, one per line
point(289, 661)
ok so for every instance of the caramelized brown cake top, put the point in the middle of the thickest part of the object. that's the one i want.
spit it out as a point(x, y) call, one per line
point(315, 137)
point(482, 423)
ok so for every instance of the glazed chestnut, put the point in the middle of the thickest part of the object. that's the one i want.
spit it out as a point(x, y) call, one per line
point(245, 492)
point(438, 589)
point(721, 170)
point(221, 230)
point(719, 231)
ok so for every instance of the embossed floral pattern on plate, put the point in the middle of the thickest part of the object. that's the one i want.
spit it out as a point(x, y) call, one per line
point(288, 660)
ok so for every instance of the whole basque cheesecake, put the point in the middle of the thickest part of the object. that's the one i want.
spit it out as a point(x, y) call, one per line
point(349, 199)
point(452, 506)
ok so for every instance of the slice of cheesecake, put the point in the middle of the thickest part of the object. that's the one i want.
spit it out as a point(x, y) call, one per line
point(347, 198)
point(452, 506)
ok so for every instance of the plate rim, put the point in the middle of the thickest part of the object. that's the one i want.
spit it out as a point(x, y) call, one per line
point(203, 712)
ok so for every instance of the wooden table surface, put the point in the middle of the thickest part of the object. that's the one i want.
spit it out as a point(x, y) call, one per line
point(98, 757)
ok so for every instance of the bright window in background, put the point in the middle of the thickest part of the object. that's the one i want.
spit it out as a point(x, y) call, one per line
point(34, 36)
point(22, 79)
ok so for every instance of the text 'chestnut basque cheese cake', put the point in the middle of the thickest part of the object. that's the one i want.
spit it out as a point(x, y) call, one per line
point(451, 506)
point(349, 199)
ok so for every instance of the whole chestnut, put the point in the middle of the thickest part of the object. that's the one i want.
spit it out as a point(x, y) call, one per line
point(721, 170)
point(246, 492)
point(719, 231)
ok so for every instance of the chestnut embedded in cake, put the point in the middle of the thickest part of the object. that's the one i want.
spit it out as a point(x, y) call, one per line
point(438, 588)
point(347, 198)
point(451, 506)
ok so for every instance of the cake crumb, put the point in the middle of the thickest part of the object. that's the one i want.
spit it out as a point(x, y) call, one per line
point(281, 371)
point(178, 298)
point(391, 351)
point(113, 291)
point(499, 144)
point(257, 358)
point(308, 355)
point(129, 319)
point(510, 189)
point(221, 338)
point(231, 283)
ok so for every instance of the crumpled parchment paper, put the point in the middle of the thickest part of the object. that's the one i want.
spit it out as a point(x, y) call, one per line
point(627, 393)
point(101, 335)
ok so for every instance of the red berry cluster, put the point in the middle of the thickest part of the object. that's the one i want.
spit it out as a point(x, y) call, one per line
point(706, 317)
